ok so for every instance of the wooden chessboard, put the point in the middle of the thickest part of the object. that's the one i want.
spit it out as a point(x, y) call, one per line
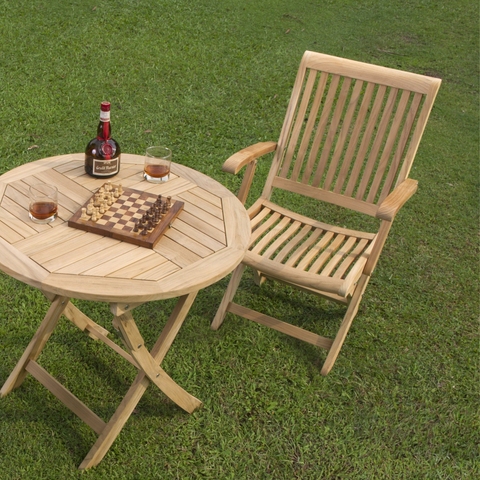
point(119, 221)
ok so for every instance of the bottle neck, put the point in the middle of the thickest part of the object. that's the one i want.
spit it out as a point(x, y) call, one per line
point(104, 130)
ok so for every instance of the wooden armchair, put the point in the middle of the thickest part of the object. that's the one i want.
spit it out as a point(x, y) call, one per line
point(349, 138)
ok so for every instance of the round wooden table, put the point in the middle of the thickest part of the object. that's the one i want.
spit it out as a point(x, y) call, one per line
point(204, 243)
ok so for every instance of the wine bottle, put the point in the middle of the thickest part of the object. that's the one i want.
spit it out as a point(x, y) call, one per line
point(102, 155)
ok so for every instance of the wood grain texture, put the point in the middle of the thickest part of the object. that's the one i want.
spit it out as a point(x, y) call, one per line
point(207, 240)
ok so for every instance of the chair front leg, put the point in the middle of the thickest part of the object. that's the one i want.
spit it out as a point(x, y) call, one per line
point(345, 325)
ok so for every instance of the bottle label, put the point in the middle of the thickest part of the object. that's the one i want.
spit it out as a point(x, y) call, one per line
point(106, 167)
point(104, 116)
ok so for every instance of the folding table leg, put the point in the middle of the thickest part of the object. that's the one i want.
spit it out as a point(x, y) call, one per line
point(36, 345)
point(136, 391)
point(228, 297)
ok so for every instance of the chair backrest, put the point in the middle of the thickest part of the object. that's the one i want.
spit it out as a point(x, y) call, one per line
point(351, 131)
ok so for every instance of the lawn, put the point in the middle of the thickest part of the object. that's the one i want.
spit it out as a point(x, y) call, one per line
point(207, 78)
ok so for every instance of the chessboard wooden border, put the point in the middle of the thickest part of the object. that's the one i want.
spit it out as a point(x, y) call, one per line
point(148, 241)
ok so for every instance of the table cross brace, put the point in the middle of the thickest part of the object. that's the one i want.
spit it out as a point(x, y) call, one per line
point(148, 364)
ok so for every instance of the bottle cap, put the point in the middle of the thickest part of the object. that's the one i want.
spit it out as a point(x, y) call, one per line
point(105, 107)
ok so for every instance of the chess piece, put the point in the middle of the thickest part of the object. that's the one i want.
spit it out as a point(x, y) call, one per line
point(110, 199)
point(150, 226)
point(90, 207)
point(94, 216)
point(144, 231)
point(120, 189)
point(101, 209)
point(135, 228)
point(117, 193)
point(108, 186)
point(84, 214)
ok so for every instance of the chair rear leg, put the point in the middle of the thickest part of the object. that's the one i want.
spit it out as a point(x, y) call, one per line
point(345, 325)
point(228, 297)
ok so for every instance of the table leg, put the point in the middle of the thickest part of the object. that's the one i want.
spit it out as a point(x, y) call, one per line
point(142, 381)
point(36, 345)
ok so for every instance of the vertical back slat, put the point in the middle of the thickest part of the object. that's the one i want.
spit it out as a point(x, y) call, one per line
point(390, 143)
point(407, 128)
point(339, 147)
point(310, 124)
point(372, 120)
point(332, 90)
point(352, 146)
point(332, 131)
point(382, 128)
point(292, 144)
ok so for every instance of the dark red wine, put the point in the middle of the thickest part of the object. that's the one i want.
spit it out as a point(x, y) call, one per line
point(102, 155)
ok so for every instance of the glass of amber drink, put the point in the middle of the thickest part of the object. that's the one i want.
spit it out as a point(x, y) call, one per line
point(157, 164)
point(43, 203)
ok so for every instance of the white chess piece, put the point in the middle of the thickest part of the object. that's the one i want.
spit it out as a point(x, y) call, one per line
point(90, 207)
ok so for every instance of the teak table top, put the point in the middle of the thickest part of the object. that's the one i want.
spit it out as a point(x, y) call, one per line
point(205, 242)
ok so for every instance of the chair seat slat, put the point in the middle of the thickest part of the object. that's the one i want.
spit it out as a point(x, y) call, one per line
point(326, 254)
point(279, 227)
point(350, 259)
point(338, 256)
point(304, 247)
point(256, 234)
point(284, 252)
point(282, 239)
point(315, 251)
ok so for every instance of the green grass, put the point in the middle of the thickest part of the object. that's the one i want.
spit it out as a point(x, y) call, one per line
point(208, 78)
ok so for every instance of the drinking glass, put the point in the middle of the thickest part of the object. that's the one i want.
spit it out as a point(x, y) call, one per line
point(157, 164)
point(43, 203)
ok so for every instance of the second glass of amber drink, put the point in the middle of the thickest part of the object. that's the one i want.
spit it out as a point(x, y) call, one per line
point(43, 203)
point(157, 164)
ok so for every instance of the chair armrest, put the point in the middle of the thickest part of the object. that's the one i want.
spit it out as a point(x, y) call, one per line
point(392, 204)
point(241, 158)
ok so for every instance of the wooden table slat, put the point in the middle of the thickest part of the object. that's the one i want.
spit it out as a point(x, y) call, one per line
point(142, 265)
point(21, 227)
point(195, 229)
